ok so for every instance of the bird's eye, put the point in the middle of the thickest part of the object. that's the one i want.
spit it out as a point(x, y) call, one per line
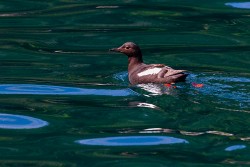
point(127, 47)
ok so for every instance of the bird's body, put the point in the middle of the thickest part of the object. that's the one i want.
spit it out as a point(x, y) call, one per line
point(140, 73)
point(151, 73)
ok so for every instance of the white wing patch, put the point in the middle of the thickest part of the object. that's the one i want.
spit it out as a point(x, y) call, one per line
point(149, 72)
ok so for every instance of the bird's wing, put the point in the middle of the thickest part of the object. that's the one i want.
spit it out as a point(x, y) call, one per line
point(168, 71)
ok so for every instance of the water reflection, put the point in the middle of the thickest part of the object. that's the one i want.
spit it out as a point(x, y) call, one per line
point(132, 141)
point(144, 105)
point(10, 121)
point(31, 89)
point(235, 147)
point(242, 5)
point(165, 130)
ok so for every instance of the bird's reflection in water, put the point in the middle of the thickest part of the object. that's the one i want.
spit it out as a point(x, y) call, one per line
point(156, 89)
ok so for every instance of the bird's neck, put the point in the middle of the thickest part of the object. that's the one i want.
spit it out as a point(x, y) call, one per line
point(134, 61)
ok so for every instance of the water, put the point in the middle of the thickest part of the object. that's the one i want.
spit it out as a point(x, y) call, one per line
point(66, 101)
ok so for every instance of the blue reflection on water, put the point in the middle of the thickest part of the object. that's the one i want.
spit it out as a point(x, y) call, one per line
point(32, 89)
point(132, 141)
point(242, 5)
point(10, 121)
point(235, 147)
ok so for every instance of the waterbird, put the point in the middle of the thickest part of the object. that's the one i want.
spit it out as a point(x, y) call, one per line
point(140, 73)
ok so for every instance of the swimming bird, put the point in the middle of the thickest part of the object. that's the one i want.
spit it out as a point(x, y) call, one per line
point(140, 73)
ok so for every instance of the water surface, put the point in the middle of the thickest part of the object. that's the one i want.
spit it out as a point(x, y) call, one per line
point(56, 72)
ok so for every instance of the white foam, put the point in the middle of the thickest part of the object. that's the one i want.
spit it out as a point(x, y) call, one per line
point(149, 72)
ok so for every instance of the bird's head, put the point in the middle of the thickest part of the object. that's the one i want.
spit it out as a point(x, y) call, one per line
point(129, 48)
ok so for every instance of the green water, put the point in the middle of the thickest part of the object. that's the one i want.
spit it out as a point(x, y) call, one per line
point(55, 67)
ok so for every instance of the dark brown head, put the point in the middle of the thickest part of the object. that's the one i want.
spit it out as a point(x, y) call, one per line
point(130, 49)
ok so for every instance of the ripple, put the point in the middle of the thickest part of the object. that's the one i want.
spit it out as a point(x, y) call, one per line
point(122, 76)
point(224, 87)
point(32, 89)
point(242, 5)
point(12, 14)
point(107, 7)
point(10, 121)
point(132, 141)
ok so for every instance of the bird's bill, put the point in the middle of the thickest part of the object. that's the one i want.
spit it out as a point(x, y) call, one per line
point(115, 50)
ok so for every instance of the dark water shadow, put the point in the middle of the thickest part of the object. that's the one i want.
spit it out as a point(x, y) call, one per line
point(32, 89)
point(132, 141)
point(11, 121)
